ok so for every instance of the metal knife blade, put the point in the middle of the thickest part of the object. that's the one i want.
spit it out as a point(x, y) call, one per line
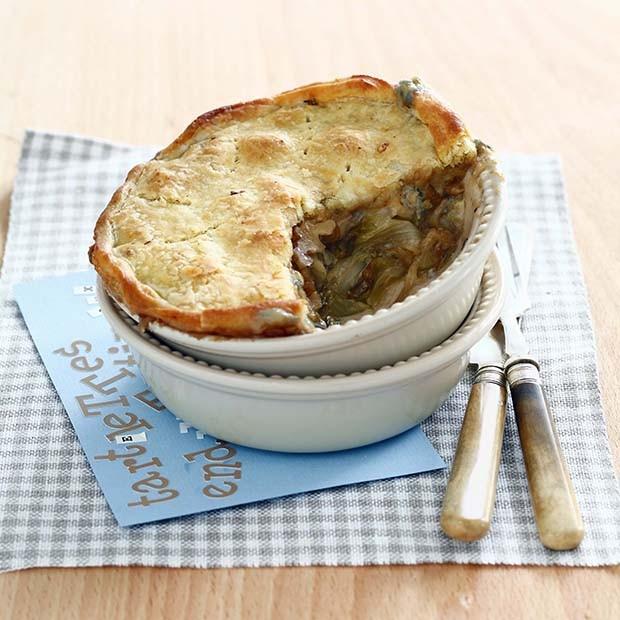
point(516, 239)
point(491, 348)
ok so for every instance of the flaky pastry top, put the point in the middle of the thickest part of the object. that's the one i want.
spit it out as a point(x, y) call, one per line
point(199, 238)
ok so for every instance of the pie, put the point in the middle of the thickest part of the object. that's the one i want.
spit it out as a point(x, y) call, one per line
point(284, 215)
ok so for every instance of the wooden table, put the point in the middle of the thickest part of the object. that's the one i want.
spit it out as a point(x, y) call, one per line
point(542, 77)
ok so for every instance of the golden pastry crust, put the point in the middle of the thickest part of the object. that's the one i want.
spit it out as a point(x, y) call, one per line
point(199, 238)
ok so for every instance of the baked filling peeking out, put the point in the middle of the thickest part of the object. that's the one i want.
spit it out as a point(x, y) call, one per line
point(355, 262)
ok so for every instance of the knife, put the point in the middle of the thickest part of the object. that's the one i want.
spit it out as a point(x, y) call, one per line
point(558, 519)
point(470, 494)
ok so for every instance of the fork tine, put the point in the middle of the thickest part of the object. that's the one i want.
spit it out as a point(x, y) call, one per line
point(511, 250)
point(516, 266)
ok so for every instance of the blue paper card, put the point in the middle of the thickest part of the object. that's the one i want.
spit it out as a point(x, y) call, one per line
point(149, 464)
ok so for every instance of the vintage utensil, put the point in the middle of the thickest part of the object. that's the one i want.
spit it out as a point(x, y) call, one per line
point(470, 494)
point(556, 511)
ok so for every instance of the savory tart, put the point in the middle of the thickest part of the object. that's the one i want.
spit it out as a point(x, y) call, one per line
point(281, 215)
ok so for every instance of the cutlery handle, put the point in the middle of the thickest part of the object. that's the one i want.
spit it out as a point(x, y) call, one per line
point(556, 511)
point(470, 494)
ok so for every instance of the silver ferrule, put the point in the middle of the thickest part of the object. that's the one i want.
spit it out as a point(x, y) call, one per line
point(522, 370)
point(490, 374)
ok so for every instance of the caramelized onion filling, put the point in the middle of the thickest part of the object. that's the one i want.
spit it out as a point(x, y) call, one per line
point(359, 261)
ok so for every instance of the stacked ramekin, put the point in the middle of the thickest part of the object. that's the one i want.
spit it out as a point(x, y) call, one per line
point(347, 385)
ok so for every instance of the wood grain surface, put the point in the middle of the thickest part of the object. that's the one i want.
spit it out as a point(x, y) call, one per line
point(526, 76)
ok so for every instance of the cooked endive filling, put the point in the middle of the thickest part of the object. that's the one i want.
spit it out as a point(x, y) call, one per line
point(359, 261)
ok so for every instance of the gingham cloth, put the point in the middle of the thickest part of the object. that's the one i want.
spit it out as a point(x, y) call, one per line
point(52, 512)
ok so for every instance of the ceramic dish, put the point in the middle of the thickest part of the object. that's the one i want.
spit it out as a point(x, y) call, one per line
point(407, 328)
point(309, 414)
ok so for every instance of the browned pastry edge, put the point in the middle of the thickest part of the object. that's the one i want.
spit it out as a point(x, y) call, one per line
point(119, 280)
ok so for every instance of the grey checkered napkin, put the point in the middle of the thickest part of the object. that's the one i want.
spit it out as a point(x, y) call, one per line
point(53, 514)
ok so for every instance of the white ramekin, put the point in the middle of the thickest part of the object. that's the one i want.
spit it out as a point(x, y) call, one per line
point(309, 414)
point(407, 328)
